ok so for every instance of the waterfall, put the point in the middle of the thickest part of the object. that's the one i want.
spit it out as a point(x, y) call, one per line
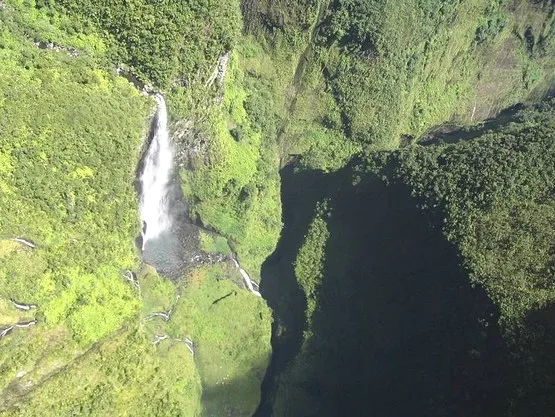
point(165, 241)
point(155, 179)
point(248, 281)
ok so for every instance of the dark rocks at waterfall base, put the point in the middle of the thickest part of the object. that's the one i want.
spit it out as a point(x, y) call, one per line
point(176, 251)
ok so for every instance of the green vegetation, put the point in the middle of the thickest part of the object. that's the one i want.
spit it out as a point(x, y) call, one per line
point(162, 43)
point(370, 73)
point(387, 78)
point(67, 125)
point(128, 374)
point(70, 141)
point(350, 76)
point(214, 243)
point(496, 193)
point(325, 78)
point(124, 375)
point(310, 260)
point(343, 89)
point(405, 72)
point(235, 186)
point(381, 271)
point(231, 333)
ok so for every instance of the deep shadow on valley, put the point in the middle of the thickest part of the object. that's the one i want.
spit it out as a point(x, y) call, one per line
point(398, 331)
point(299, 193)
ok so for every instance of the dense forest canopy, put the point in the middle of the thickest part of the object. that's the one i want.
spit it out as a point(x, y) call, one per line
point(396, 254)
point(496, 193)
point(354, 156)
point(164, 42)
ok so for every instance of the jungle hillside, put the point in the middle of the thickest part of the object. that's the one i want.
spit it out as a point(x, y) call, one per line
point(360, 194)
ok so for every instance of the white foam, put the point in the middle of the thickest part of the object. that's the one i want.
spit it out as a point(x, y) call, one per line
point(155, 178)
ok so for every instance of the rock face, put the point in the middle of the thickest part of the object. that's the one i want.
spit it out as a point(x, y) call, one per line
point(220, 71)
point(192, 145)
point(52, 46)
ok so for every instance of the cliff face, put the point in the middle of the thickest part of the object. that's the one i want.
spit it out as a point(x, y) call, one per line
point(381, 71)
point(410, 267)
point(372, 76)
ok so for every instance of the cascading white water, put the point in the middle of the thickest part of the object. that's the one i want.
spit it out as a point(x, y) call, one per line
point(248, 281)
point(166, 254)
point(155, 179)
